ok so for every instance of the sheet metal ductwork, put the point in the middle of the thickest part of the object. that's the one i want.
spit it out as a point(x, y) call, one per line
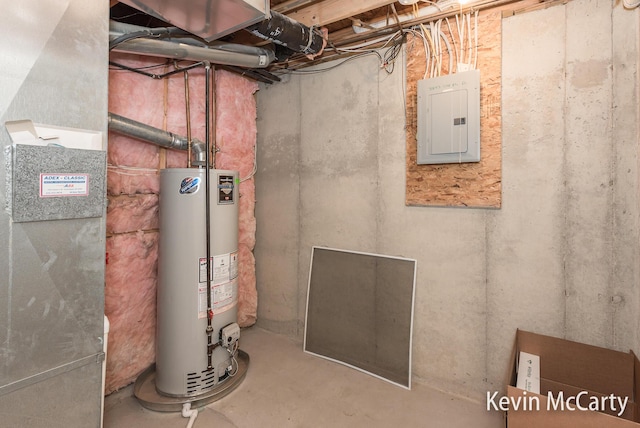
point(211, 20)
point(141, 131)
point(207, 19)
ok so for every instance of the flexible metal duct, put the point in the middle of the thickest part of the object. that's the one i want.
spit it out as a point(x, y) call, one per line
point(141, 131)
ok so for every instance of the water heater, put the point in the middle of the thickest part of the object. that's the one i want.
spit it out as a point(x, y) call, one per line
point(196, 336)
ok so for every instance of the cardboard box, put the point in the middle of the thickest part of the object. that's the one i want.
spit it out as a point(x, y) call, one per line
point(580, 386)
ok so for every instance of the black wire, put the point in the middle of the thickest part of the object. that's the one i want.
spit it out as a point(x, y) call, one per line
point(390, 55)
point(146, 67)
point(316, 71)
point(156, 76)
point(146, 33)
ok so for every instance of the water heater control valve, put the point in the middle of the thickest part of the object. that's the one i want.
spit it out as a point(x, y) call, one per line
point(230, 334)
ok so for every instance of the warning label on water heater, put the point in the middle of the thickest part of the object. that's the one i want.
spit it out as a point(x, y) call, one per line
point(224, 284)
point(224, 297)
point(223, 268)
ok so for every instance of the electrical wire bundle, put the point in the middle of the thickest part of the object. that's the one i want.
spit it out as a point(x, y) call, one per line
point(461, 47)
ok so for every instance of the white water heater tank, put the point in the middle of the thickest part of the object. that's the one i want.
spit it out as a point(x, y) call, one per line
point(184, 367)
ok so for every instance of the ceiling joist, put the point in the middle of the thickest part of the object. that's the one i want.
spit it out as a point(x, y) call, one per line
point(291, 5)
point(330, 11)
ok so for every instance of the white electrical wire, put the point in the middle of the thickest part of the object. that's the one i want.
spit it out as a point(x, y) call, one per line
point(453, 41)
point(448, 45)
point(437, 37)
point(475, 61)
point(433, 54)
point(470, 43)
point(357, 48)
point(631, 4)
point(425, 45)
point(460, 25)
point(234, 361)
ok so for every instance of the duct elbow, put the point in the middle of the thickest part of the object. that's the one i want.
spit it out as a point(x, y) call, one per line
point(198, 148)
point(199, 151)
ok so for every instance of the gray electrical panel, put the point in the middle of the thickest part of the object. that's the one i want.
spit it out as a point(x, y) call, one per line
point(449, 119)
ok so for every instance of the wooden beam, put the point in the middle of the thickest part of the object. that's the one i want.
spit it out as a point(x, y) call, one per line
point(329, 11)
point(113, 3)
point(291, 5)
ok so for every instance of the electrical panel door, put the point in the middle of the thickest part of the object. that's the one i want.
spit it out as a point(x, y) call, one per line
point(449, 119)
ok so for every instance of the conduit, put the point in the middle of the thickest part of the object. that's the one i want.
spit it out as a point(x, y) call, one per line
point(141, 131)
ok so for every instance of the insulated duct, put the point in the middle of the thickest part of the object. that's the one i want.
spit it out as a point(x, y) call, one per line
point(284, 31)
point(141, 131)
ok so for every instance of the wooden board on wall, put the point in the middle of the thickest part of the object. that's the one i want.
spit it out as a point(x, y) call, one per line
point(468, 184)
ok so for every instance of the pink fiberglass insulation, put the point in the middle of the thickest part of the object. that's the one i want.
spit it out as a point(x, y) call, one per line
point(130, 305)
point(235, 122)
point(247, 296)
point(247, 220)
point(133, 190)
point(130, 213)
point(121, 181)
point(235, 140)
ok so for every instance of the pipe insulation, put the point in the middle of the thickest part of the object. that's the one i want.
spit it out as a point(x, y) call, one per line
point(186, 48)
point(141, 131)
point(282, 30)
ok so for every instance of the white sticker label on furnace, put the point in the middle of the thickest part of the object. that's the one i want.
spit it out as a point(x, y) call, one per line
point(61, 185)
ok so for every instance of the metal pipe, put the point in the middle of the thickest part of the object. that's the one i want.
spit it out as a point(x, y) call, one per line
point(188, 113)
point(189, 48)
point(213, 147)
point(141, 131)
point(207, 185)
point(182, 51)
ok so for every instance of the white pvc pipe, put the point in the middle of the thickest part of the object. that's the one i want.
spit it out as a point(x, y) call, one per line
point(188, 412)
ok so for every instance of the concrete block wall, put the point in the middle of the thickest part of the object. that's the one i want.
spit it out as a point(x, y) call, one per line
point(561, 256)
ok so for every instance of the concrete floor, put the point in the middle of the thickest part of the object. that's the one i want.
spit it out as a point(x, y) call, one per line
point(284, 387)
